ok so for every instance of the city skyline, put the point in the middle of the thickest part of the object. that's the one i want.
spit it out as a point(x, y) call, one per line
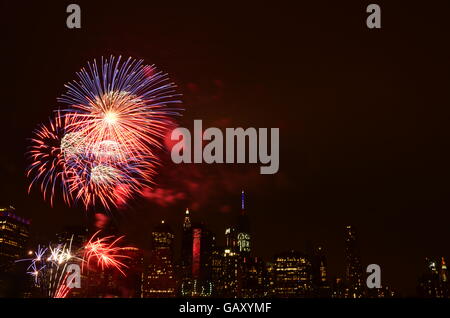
point(182, 267)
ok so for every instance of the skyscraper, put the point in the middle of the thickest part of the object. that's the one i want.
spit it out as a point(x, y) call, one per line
point(353, 267)
point(159, 277)
point(321, 283)
point(434, 281)
point(237, 235)
point(105, 281)
point(237, 276)
point(252, 282)
point(228, 285)
point(186, 247)
point(14, 235)
point(75, 236)
point(198, 281)
point(443, 278)
point(291, 275)
point(217, 269)
point(243, 230)
point(131, 285)
point(231, 242)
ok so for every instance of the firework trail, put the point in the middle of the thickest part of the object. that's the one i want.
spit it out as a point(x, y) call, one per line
point(105, 252)
point(63, 290)
point(101, 148)
point(49, 265)
point(36, 264)
point(53, 155)
point(48, 268)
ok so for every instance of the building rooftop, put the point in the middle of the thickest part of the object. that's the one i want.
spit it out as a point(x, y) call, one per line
point(9, 213)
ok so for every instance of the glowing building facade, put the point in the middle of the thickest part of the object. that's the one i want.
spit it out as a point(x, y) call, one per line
point(198, 248)
point(320, 273)
point(355, 283)
point(434, 281)
point(14, 235)
point(73, 235)
point(236, 273)
point(291, 275)
point(226, 283)
point(131, 284)
point(253, 278)
point(243, 230)
point(186, 247)
point(159, 277)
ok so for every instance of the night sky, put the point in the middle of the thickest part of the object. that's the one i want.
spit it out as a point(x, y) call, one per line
point(363, 117)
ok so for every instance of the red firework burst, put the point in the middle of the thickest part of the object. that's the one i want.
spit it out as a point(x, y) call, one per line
point(105, 253)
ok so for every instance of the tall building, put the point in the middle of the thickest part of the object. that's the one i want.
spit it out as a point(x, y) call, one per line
point(443, 278)
point(253, 278)
point(237, 276)
point(319, 265)
point(131, 284)
point(237, 235)
point(243, 230)
point(291, 275)
point(106, 281)
point(159, 277)
point(76, 236)
point(338, 288)
point(353, 268)
point(232, 276)
point(99, 283)
point(231, 239)
point(198, 279)
point(186, 247)
point(217, 269)
point(228, 284)
point(14, 235)
point(434, 281)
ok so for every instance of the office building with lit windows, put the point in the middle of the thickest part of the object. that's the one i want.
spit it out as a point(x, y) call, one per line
point(319, 265)
point(434, 281)
point(237, 236)
point(355, 283)
point(198, 248)
point(14, 235)
point(159, 276)
point(226, 283)
point(186, 247)
point(243, 230)
point(252, 281)
point(76, 236)
point(131, 284)
point(291, 275)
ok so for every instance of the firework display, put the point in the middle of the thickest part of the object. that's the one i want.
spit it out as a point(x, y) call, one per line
point(101, 147)
point(104, 252)
point(53, 156)
point(49, 266)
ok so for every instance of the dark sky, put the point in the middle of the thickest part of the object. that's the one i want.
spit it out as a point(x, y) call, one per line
point(363, 117)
